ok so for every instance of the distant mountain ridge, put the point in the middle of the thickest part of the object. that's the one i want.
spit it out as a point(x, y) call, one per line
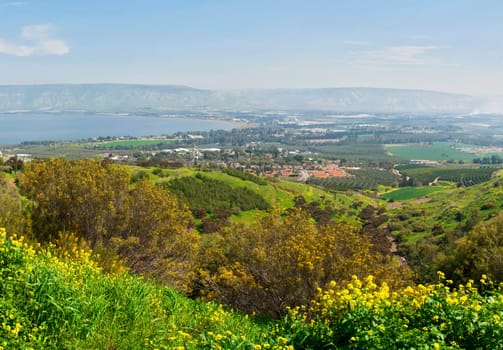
point(159, 98)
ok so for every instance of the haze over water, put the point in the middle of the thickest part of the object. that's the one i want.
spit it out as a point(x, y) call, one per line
point(19, 127)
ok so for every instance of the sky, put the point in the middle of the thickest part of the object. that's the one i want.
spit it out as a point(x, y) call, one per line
point(443, 45)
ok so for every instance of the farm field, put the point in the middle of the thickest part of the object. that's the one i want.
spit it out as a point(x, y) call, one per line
point(70, 150)
point(439, 151)
point(359, 180)
point(363, 152)
point(407, 193)
point(132, 143)
point(462, 175)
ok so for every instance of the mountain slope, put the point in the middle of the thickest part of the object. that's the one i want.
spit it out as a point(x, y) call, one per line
point(133, 98)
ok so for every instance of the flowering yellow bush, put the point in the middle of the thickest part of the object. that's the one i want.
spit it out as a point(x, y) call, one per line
point(56, 296)
point(281, 260)
point(142, 224)
point(365, 315)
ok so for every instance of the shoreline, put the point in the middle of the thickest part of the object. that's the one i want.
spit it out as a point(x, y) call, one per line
point(194, 126)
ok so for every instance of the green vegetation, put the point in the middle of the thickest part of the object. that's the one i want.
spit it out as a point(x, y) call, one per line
point(211, 194)
point(54, 301)
point(132, 144)
point(69, 150)
point(272, 192)
point(467, 261)
point(367, 316)
point(145, 225)
point(429, 229)
point(281, 193)
point(440, 151)
point(464, 176)
point(244, 176)
point(360, 180)
point(406, 193)
point(317, 266)
point(355, 153)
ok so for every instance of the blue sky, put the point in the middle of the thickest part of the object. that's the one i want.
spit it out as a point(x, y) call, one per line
point(445, 45)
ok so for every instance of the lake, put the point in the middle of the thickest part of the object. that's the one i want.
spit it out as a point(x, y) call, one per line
point(18, 127)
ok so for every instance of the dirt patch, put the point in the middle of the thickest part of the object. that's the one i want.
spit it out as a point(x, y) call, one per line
point(394, 205)
point(420, 200)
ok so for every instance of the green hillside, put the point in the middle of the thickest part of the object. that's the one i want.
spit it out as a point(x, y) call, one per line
point(50, 302)
point(278, 193)
point(421, 208)
point(429, 222)
point(53, 300)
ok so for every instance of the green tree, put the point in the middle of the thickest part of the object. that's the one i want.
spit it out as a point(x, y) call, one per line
point(478, 252)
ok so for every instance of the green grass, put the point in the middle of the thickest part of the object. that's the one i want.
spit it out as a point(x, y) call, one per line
point(270, 192)
point(416, 236)
point(277, 194)
point(280, 193)
point(133, 143)
point(439, 151)
point(407, 193)
point(249, 216)
point(48, 302)
point(357, 152)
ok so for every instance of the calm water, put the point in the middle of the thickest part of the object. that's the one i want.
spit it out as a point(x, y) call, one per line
point(19, 127)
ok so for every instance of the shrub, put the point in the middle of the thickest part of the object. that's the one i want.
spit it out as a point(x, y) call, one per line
point(367, 316)
point(281, 260)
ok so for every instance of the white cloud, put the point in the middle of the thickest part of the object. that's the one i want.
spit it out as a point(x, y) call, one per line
point(35, 40)
point(37, 31)
point(403, 55)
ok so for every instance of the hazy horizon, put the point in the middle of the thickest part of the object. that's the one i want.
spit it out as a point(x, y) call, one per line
point(230, 89)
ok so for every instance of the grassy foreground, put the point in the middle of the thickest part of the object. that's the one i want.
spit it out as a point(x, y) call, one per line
point(50, 302)
point(47, 302)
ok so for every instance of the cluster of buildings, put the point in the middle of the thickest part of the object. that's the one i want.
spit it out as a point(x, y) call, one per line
point(302, 172)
